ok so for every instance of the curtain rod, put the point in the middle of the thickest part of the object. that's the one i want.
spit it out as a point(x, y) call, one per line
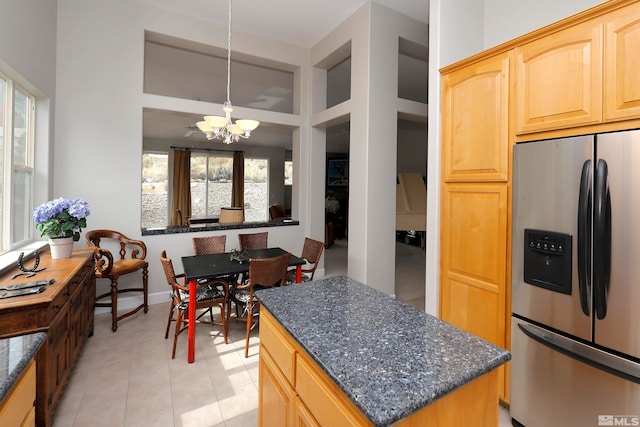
point(206, 149)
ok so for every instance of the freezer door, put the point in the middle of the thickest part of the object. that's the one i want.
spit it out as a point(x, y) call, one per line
point(550, 388)
point(546, 179)
point(620, 327)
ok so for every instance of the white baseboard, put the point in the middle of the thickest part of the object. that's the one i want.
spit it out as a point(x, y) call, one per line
point(128, 303)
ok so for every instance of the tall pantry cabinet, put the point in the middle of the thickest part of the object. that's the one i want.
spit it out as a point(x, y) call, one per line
point(475, 228)
point(574, 77)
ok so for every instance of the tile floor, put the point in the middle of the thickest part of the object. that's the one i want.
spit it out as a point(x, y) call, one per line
point(128, 378)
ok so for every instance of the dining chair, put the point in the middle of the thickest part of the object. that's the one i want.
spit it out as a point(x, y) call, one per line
point(113, 267)
point(276, 212)
point(209, 244)
point(253, 240)
point(263, 273)
point(311, 253)
point(213, 293)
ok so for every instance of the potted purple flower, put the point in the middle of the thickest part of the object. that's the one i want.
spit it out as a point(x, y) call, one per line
point(61, 220)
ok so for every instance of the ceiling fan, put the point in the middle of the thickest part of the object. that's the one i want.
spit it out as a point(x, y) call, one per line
point(191, 129)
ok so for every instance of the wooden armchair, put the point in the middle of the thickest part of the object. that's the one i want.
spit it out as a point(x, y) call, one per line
point(213, 293)
point(108, 267)
point(263, 273)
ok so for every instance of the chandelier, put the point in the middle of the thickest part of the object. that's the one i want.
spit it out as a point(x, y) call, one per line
point(222, 127)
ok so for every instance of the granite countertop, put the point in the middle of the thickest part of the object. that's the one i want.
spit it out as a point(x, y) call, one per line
point(15, 355)
point(195, 228)
point(390, 358)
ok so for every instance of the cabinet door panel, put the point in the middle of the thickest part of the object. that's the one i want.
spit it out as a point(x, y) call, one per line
point(474, 256)
point(476, 122)
point(58, 357)
point(474, 233)
point(622, 62)
point(276, 407)
point(303, 416)
point(559, 80)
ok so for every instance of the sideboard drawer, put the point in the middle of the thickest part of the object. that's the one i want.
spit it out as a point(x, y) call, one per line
point(57, 303)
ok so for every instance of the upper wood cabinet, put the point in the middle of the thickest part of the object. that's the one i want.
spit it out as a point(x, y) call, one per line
point(582, 75)
point(559, 79)
point(622, 62)
point(476, 121)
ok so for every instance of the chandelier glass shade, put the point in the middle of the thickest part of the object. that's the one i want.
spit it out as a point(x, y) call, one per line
point(222, 127)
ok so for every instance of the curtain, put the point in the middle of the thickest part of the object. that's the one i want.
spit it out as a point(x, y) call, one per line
point(181, 203)
point(237, 186)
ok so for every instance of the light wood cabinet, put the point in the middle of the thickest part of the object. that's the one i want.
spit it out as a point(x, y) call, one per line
point(277, 396)
point(64, 311)
point(18, 408)
point(307, 396)
point(580, 76)
point(475, 128)
point(326, 403)
point(622, 62)
point(292, 390)
point(474, 256)
point(559, 79)
point(476, 151)
point(572, 77)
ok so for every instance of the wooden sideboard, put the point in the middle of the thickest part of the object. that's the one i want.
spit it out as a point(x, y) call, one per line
point(64, 311)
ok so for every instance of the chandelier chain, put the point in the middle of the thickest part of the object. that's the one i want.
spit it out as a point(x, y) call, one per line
point(229, 57)
point(222, 127)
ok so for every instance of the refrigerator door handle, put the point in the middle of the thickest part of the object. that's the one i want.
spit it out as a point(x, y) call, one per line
point(601, 240)
point(598, 359)
point(584, 238)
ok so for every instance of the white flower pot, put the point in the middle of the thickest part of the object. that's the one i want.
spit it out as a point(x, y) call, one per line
point(61, 247)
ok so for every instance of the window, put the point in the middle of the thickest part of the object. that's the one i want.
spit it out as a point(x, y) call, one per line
point(288, 172)
point(211, 178)
point(16, 163)
point(155, 189)
point(256, 189)
point(211, 181)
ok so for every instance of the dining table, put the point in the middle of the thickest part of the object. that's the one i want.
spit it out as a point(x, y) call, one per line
point(213, 266)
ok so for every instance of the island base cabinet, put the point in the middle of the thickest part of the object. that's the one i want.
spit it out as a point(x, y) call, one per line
point(295, 391)
point(18, 407)
point(473, 404)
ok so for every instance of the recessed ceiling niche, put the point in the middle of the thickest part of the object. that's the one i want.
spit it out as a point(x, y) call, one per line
point(189, 70)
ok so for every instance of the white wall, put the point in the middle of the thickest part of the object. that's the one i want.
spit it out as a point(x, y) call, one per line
point(373, 32)
point(28, 56)
point(458, 29)
point(99, 116)
point(412, 148)
point(508, 19)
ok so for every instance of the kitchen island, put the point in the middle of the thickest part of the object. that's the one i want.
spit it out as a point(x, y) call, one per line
point(18, 378)
point(337, 352)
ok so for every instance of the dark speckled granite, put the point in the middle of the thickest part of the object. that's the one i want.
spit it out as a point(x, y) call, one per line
point(15, 355)
point(388, 357)
point(215, 227)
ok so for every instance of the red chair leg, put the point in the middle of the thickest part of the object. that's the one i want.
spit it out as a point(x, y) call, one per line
point(249, 321)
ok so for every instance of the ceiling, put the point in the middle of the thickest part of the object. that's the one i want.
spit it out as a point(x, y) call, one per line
point(299, 22)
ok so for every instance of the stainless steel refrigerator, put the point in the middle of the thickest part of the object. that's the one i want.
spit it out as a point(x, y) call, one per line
point(575, 328)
